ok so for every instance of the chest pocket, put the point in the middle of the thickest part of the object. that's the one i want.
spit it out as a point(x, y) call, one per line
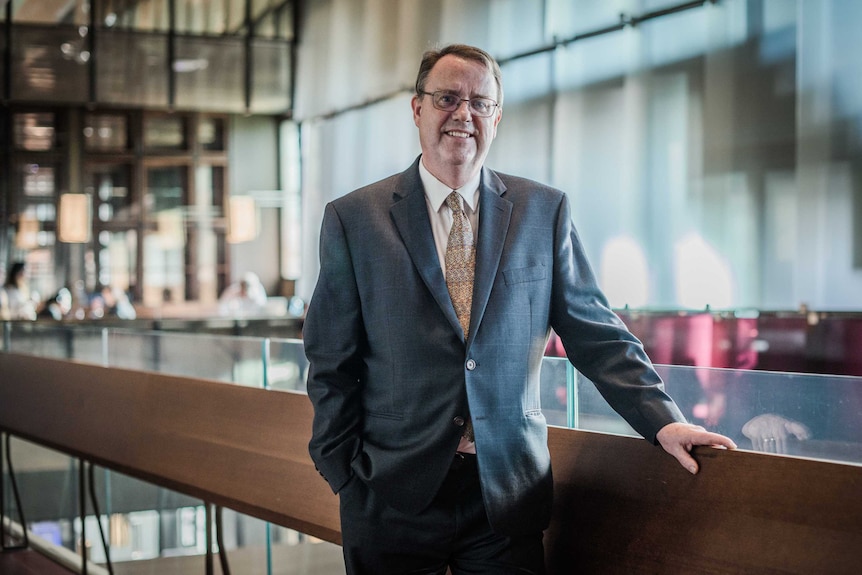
point(522, 275)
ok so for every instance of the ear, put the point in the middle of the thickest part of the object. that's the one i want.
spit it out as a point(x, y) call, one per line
point(497, 117)
point(416, 104)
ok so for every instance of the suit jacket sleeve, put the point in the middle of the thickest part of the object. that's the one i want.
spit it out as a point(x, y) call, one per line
point(598, 343)
point(334, 337)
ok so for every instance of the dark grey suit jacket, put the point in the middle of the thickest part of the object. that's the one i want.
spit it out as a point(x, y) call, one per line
point(390, 374)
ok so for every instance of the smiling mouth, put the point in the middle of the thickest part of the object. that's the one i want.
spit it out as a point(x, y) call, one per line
point(458, 134)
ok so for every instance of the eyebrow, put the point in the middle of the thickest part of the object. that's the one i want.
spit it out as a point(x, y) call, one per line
point(455, 93)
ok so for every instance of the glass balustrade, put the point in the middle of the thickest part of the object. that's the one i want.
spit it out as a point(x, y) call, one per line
point(789, 414)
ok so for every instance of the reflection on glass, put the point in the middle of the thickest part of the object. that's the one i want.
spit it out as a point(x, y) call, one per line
point(34, 131)
point(211, 133)
point(37, 180)
point(227, 359)
point(106, 132)
point(210, 73)
point(165, 132)
point(164, 243)
point(153, 15)
point(117, 258)
point(203, 239)
point(109, 185)
point(287, 368)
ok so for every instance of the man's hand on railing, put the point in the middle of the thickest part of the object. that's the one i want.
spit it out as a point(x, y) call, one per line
point(679, 438)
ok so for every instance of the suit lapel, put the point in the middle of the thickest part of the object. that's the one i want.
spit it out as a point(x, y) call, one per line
point(410, 214)
point(495, 213)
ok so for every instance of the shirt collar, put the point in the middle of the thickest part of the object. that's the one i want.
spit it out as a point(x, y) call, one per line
point(437, 191)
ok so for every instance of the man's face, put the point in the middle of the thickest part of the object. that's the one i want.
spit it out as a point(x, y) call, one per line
point(455, 140)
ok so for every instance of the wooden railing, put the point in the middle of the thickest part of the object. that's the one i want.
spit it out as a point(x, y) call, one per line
point(622, 506)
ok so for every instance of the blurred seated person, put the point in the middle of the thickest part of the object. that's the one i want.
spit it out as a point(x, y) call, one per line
point(20, 302)
point(247, 297)
point(57, 306)
point(112, 302)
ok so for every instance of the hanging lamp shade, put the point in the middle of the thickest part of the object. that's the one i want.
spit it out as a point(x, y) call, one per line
point(75, 218)
point(242, 219)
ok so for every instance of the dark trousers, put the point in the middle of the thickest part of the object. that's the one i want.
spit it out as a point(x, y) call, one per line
point(453, 532)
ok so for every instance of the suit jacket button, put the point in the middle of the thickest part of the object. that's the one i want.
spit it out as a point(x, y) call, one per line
point(458, 421)
point(471, 364)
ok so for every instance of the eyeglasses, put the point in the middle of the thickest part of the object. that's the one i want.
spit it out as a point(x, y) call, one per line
point(449, 102)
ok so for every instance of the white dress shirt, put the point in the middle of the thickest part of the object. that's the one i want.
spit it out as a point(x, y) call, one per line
point(440, 215)
point(441, 222)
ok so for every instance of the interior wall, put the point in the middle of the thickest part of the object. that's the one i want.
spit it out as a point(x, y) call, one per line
point(709, 153)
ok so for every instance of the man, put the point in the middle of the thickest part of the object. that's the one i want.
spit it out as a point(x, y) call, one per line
point(425, 337)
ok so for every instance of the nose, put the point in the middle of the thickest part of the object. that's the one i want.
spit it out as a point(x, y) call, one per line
point(463, 111)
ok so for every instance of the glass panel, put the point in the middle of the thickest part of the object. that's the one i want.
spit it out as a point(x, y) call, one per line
point(271, 77)
point(287, 545)
point(133, 68)
point(236, 15)
point(39, 470)
point(38, 180)
point(50, 64)
point(211, 133)
point(117, 259)
point(204, 239)
point(110, 187)
point(786, 413)
point(287, 369)
point(153, 15)
point(554, 395)
point(61, 342)
point(165, 132)
point(808, 415)
point(48, 12)
point(165, 237)
point(35, 131)
point(210, 74)
point(143, 523)
point(195, 17)
point(273, 19)
point(107, 132)
point(149, 529)
point(227, 359)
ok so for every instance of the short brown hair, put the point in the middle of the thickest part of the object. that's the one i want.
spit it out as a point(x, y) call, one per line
point(431, 57)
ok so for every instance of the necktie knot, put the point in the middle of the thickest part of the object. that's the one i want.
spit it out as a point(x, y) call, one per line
point(453, 202)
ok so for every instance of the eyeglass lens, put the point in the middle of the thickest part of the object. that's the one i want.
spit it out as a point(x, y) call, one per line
point(450, 102)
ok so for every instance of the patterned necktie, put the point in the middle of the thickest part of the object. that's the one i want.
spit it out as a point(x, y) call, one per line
point(460, 261)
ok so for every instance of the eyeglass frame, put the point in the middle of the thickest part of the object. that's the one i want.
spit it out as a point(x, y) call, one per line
point(469, 101)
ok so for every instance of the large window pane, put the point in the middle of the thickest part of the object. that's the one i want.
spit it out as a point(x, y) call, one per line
point(50, 64)
point(165, 133)
point(164, 236)
point(47, 12)
point(106, 132)
point(270, 77)
point(117, 259)
point(153, 15)
point(110, 187)
point(209, 74)
point(35, 131)
point(133, 68)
